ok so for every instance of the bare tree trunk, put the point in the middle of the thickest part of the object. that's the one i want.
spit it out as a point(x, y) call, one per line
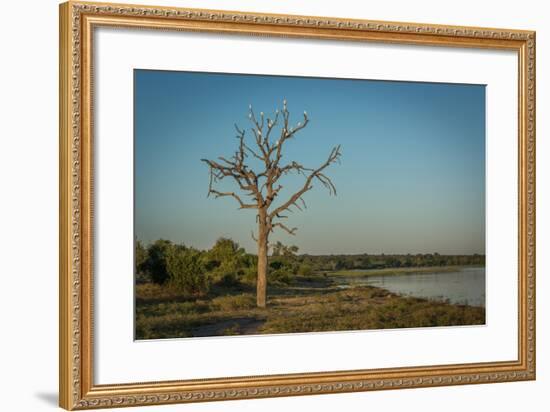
point(261, 284)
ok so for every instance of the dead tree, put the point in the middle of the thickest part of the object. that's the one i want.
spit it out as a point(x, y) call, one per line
point(262, 186)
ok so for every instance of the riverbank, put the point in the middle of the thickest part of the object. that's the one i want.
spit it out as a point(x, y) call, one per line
point(399, 271)
point(311, 304)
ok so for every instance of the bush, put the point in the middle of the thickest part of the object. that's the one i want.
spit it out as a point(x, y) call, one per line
point(155, 262)
point(305, 270)
point(186, 272)
point(280, 276)
point(276, 265)
point(249, 276)
point(141, 256)
point(225, 279)
point(227, 263)
point(193, 271)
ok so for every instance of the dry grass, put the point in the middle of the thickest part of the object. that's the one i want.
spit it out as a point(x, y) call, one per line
point(165, 314)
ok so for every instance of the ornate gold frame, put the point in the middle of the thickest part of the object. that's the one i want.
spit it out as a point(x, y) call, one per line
point(77, 22)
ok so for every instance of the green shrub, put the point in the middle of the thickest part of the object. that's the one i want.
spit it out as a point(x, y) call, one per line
point(280, 276)
point(155, 261)
point(186, 271)
point(227, 262)
point(276, 265)
point(305, 270)
point(249, 276)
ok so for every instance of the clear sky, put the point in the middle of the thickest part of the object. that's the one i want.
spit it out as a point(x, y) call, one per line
point(411, 179)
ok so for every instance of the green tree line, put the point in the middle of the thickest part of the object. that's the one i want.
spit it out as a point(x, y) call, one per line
point(195, 271)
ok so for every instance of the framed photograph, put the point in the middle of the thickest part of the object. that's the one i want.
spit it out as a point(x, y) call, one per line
point(257, 205)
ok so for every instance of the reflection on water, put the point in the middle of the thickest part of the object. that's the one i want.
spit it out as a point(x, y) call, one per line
point(466, 286)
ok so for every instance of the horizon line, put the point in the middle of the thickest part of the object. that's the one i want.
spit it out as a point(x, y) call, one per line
point(322, 254)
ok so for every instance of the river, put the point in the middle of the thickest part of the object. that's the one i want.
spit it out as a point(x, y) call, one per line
point(465, 286)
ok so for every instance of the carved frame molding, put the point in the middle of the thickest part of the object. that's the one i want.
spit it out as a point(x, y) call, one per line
point(77, 20)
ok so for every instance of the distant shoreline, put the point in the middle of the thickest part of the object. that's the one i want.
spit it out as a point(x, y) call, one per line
point(399, 271)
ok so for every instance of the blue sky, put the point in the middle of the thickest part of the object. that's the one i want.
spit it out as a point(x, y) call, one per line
point(411, 179)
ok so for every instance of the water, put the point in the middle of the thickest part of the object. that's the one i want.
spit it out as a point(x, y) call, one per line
point(465, 286)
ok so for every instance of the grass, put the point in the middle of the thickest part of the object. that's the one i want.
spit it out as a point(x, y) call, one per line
point(233, 303)
point(311, 304)
point(366, 308)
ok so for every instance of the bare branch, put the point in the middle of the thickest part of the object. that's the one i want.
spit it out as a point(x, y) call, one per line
point(315, 174)
point(234, 195)
point(261, 185)
point(286, 229)
point(243, 146)
point(258, 130)
point(245, 178)
point(270, 125)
